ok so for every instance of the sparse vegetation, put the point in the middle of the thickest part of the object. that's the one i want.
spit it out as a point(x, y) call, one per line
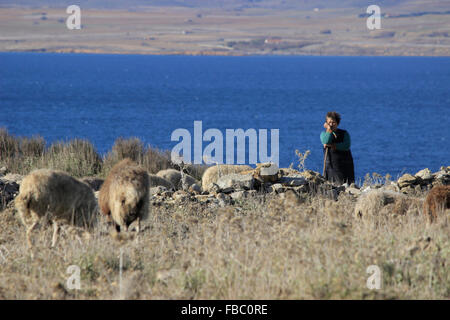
point(79, 157)
point(302, 159)
point(278, 248)
point(269, 246)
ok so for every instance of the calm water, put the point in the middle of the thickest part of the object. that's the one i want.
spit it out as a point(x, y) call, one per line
point(395, 109)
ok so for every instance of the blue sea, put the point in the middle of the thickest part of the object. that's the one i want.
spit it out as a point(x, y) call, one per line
point(396, 109)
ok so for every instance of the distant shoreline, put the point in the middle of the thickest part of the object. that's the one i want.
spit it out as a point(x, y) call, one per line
point(211, 54)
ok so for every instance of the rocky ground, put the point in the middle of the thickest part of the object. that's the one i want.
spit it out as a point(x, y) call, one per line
point(261, 181)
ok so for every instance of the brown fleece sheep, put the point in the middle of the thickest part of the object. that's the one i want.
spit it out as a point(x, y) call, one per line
point(56, 196)
point(212, 174)
point(437, 199)
point(123, 196)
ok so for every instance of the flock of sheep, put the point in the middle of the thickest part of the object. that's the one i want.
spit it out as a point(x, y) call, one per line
point(55, 196)
point(123, 198)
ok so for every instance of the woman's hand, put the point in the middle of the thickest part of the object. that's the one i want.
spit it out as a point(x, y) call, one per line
point(327, 127)
point(332, 146)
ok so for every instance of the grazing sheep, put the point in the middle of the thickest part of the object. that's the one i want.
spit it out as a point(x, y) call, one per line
point(56, 196)
point(124, 196)
point(377, 202)
point(174, 176)
point(159, 181)
point(212, 174)
point(437, 199)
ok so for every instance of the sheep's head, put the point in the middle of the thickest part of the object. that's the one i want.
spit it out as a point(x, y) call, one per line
point(127, 207)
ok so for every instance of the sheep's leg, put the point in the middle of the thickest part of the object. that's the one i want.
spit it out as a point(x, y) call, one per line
point(29, 230)
point(55, 233)
point(138, 225)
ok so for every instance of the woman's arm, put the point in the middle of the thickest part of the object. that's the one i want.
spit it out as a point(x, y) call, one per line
point(326, 137)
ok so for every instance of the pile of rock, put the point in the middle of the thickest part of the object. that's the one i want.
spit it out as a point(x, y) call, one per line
point(423, 180)
point(265, 179)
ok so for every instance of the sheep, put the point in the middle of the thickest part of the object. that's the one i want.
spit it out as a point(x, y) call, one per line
point(56, 196)
point(374, 202)
point(212, 174)
point(124, 196)
point(437, 199)
point(174, 176)
point(159, 181)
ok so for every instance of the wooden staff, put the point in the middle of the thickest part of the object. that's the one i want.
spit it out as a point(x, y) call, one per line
point(326, 154)
point(325, 162)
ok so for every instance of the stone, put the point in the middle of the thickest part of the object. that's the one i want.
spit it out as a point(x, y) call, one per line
point(213, 188)
point(442, 177)
point(180, 195)
point(227, 190)
point(236, 182)
point(158, 190)
point(167, 194)
point(252, 193)
point(3, 171)
point(13, 177)
point(424, 174)
point(353, 191)
point(223, 198)
point(8, 191)
point(195, 188)
point(268, 172)
point(407, 189)
point(239, 195)
point(391, 187)
point(278, 187)
point(445, 169)
point(406, 180)
point(293, 181)
point(220, 196)
point(203, 198)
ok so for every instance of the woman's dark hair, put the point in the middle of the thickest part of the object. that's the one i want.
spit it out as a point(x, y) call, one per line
point(335, 116)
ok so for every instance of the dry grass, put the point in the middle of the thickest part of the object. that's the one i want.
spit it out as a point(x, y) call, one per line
point(268, 247)
point(261, 248)
point(79, 157)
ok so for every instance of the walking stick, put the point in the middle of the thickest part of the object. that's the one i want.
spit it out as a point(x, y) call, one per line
point(325, 157)
point(325, 162)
